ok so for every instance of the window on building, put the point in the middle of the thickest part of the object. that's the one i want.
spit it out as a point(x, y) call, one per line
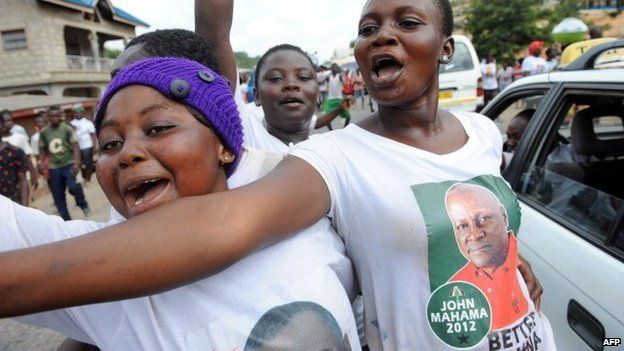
point(14, 39)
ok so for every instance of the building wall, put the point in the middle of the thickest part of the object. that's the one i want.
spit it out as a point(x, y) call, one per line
point(613, 22)
point(44, 61)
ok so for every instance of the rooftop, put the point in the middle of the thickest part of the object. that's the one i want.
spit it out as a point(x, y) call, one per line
point(118, 14)
point(26, 102)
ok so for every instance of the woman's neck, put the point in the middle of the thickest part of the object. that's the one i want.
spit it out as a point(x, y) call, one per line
point(419, 125)
point(419, 117)
point(289, 137)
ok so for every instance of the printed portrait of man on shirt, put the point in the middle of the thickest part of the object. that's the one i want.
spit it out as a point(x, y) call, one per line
point(299, 325)
point(481, 228)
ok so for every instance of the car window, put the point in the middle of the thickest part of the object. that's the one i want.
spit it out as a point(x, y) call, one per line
point(462, 60)
point(574, 176)
point(609, 59)
point(619, 240)
point(521, 105)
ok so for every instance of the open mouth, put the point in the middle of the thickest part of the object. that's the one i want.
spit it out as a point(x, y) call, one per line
point(386, 69)
point(291, 101)
point(144, 191)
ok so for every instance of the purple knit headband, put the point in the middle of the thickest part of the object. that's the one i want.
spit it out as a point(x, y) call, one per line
point(191, 84)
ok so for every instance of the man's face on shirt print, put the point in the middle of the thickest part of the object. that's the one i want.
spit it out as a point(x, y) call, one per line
point(479, 223)
point(297, 326)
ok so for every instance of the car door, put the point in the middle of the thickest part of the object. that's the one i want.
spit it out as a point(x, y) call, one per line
point(571, 232)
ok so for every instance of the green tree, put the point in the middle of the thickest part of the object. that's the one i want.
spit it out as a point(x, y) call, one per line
point(563, 9)
point(243, 60)
point(112, 53)
point(505, 27)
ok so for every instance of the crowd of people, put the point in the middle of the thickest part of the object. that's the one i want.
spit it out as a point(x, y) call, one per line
point(497, 77)
point(56, 152)
point(270, 235)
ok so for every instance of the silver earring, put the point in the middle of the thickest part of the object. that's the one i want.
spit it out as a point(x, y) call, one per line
point(444, 59)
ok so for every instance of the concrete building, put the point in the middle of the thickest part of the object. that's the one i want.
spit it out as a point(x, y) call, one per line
point(609, 5)
point(56, 47)
point(605, 14)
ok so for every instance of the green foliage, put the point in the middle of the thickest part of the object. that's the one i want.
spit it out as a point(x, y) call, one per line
point(112, 53)
point(563, 9)
point(243, 60)
point(505, 27)
point(352, 44)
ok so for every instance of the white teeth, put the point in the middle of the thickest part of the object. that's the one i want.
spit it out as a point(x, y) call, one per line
point(145, 182)
point(138, 201)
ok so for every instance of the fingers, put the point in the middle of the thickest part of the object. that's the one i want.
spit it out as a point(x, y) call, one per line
point(536, 294)
point(533, 284)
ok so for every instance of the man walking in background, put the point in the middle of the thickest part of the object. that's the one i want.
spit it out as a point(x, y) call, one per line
point(57, 141)
point(85, 133)
point(490, 83)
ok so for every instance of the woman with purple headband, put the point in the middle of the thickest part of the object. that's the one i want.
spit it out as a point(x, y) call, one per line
point(169, 128)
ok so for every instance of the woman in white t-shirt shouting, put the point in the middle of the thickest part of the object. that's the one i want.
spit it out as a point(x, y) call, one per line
point(435, 274)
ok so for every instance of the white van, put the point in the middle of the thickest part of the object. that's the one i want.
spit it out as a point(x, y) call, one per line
point(460, 79)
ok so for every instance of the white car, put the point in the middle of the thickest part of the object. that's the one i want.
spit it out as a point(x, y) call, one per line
point(568, 172)
point(460, 80)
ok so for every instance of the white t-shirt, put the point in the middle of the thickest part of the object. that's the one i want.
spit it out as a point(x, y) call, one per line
point(322, 80)
point(505, 77)
point(243, 91)
point(84, 129)
point(17, 129)
point(34, 143)
point(373, 182)
point(256, 111)
point(254, 134)
point(552, 65)
point(307, 274)
point(313, 123)
point(334, 87)
point(534, 65)
point(19, 141)
point(488, 70)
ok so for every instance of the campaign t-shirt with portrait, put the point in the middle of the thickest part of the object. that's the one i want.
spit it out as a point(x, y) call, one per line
point(284, 296)
point(388, 204)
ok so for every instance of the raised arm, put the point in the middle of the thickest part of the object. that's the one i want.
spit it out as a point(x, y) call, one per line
point(326, 119)
point(172, 245)
point(213, 21)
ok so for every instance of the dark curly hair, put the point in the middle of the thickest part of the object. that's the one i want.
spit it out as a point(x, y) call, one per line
point(447, 16)
point(178, 43)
